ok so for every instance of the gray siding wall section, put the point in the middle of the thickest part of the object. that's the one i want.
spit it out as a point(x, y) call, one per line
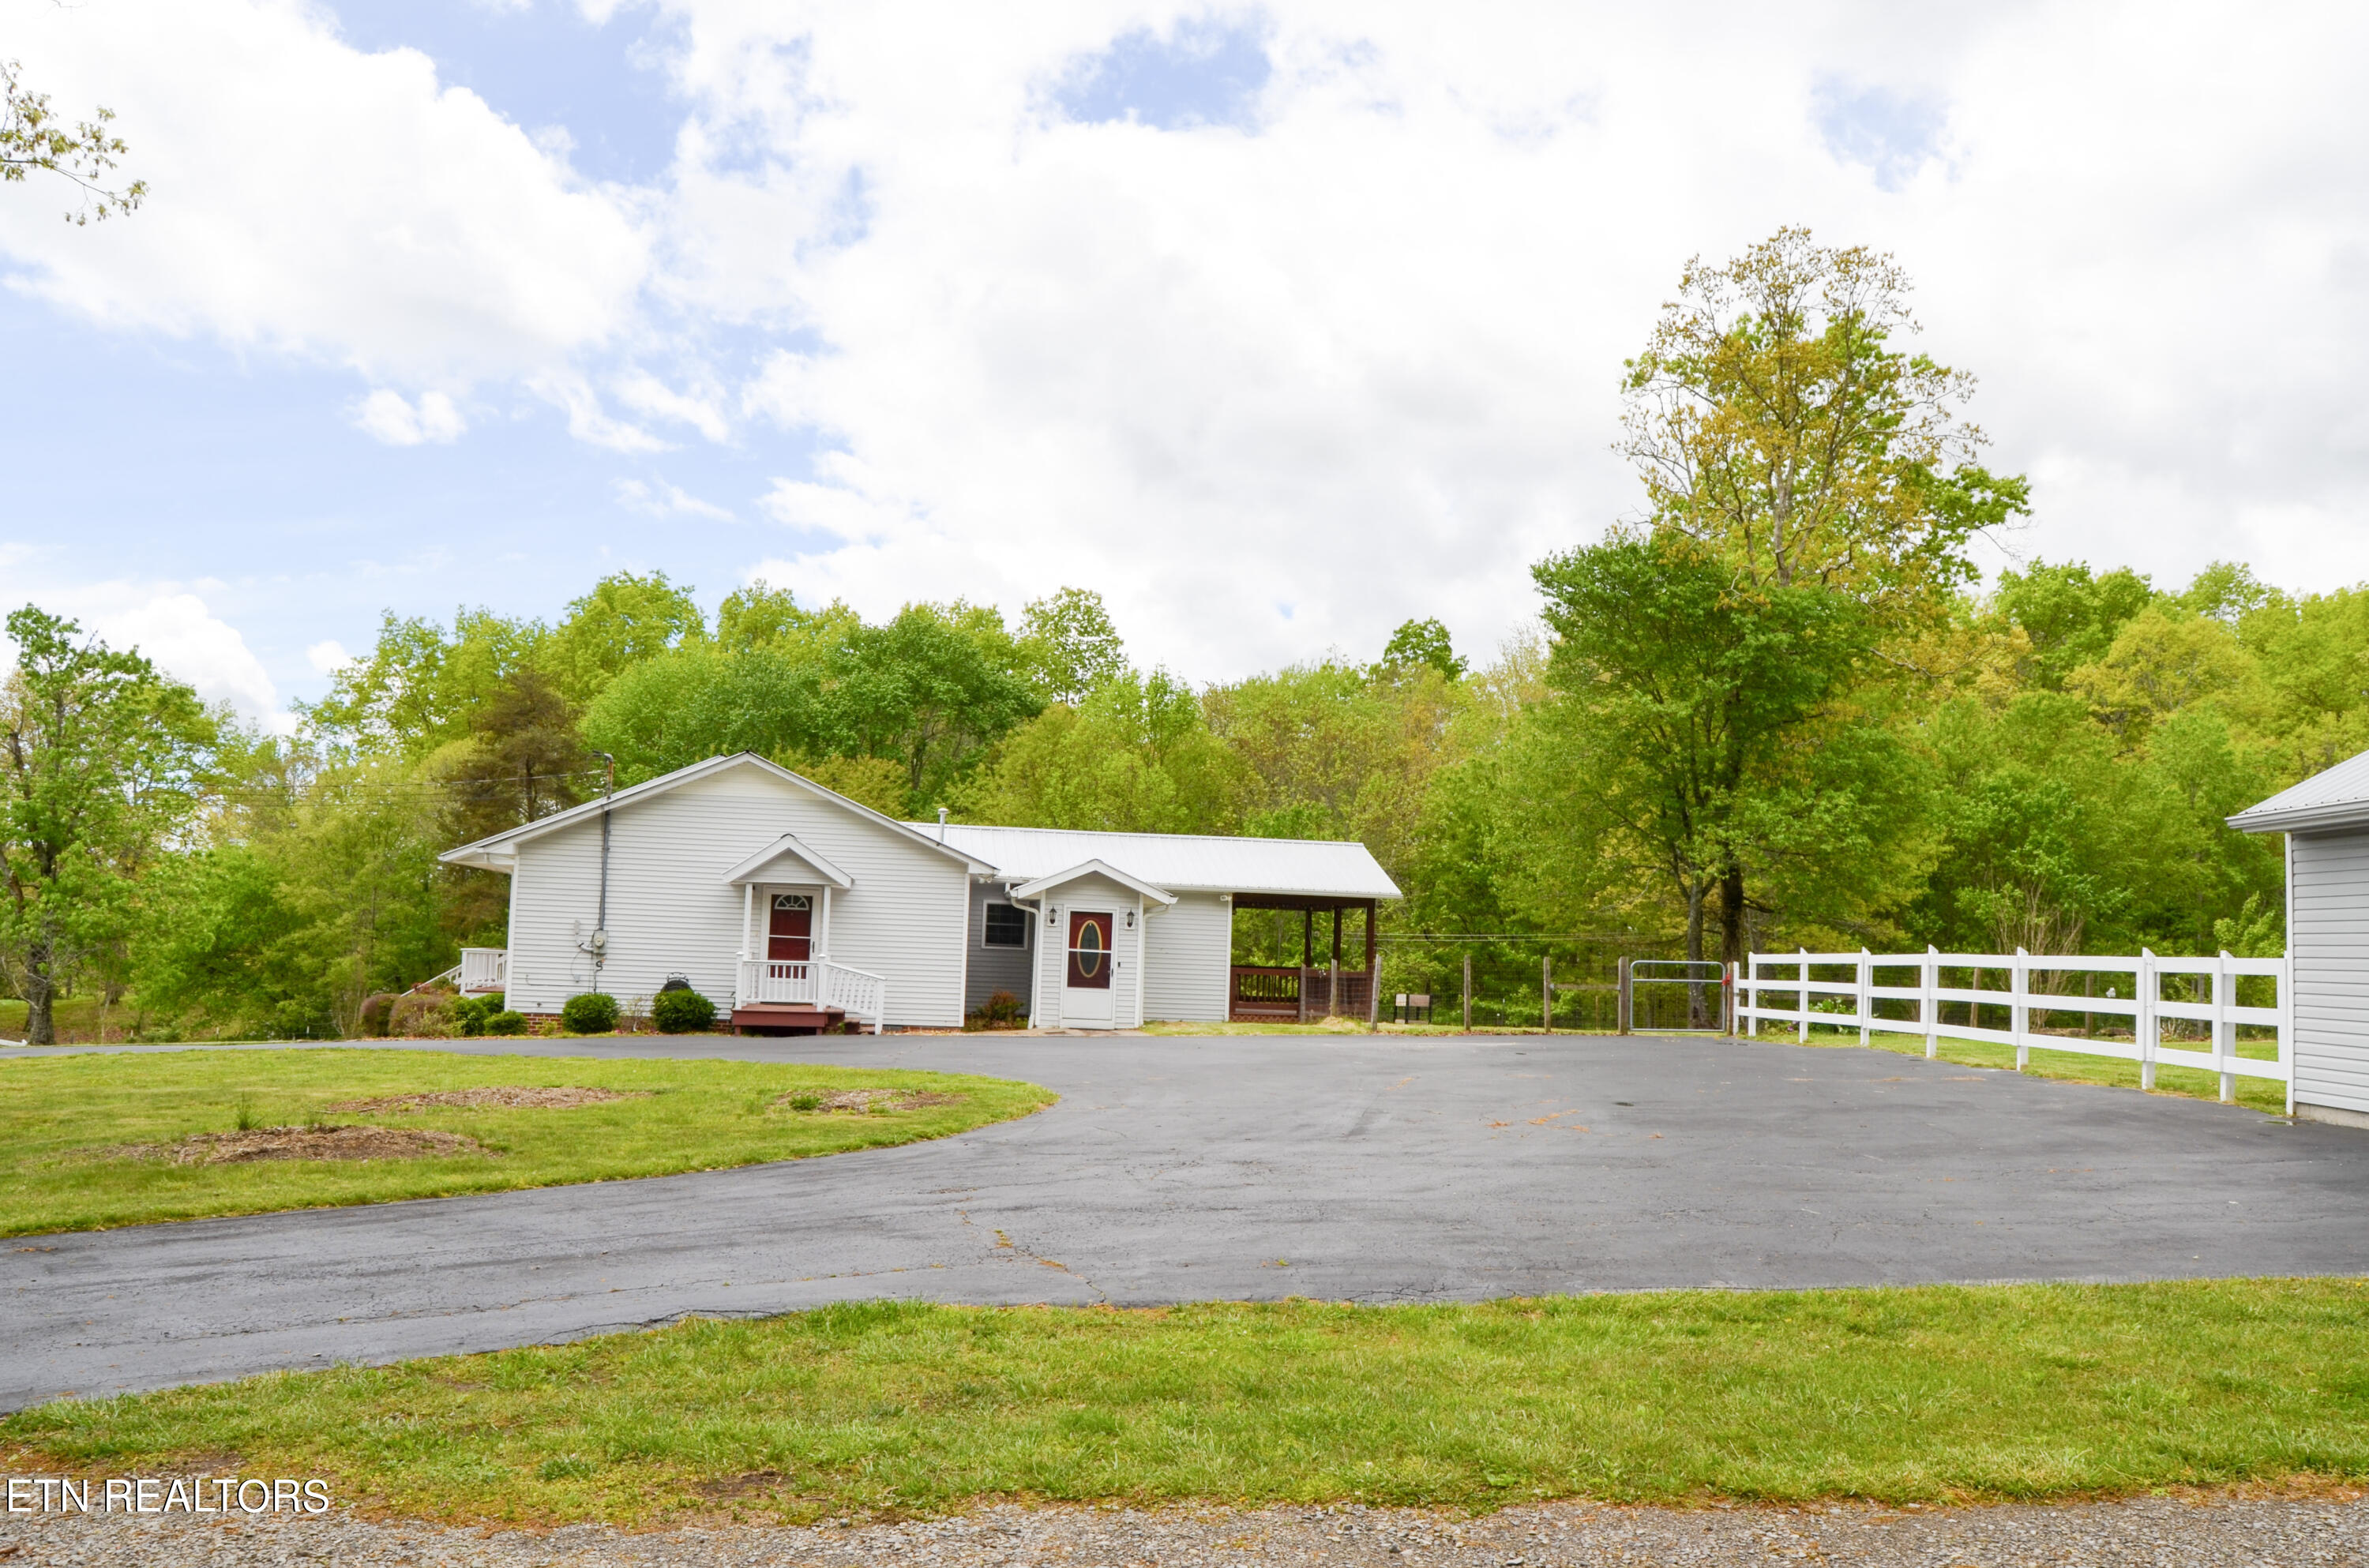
point(2327, 941)
point(1053, 951)
point(998, 968)
point(670, 912)
point(1188, 960)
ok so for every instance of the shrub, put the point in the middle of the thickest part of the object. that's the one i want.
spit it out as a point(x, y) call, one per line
point(423, 1015)
point(375, 1013)
point(506, 1022)
point(682, 1013)
point(590, 1013)
point(1002, 1010)
point(471, 1012)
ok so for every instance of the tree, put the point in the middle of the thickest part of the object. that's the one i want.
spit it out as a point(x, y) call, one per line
point(2069, 616)
point(1707, 722)
point(695, 702)
point(1068, 643)
point(626, 618)
point(931, 689)
point(420, 687)
point(1134, 756)
point(98, 757)
point(1774, 424)
point(32, 137)
point(764, 616)
point(1423, 641)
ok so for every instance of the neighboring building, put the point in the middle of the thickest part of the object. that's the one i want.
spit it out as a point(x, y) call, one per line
point(2326, 819)
point(806, 910)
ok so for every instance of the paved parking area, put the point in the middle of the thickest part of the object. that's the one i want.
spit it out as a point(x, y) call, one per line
point(1362, 1168)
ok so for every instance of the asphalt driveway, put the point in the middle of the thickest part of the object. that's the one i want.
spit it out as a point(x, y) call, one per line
point(1361, 1168)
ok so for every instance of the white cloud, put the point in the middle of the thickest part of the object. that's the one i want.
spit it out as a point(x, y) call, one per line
point(1273, 381)
point(586, 420)
point(1274, 392)
point(186, 640)
point(327, 657)
point(704, 411)
point(662, 500)
point(388, 416)
point(311, 198)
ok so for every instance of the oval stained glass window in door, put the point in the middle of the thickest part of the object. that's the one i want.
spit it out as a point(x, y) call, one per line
point(1090, 951)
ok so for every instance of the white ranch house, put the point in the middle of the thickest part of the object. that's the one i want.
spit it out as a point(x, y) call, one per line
point(801, 909)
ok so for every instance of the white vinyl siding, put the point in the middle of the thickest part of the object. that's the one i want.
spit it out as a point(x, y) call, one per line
point(1188, 960)
point(2328, 942)
point(670, 911)
point(998, 968)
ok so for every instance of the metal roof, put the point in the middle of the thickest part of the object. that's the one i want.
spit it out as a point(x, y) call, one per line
point(1181, 862)
point(2336, 798)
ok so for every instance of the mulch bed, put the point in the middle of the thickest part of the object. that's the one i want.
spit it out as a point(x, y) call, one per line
point(514, 1097)
point(312, 1143)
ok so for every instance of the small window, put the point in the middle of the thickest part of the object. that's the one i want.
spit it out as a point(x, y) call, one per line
point(1007, 926)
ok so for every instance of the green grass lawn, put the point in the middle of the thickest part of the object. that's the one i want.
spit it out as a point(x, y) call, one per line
point(1942, 1394)
point(2257, 1093)
point(66, 1123)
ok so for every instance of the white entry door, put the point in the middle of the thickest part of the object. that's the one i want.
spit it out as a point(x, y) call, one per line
point(1086, 987)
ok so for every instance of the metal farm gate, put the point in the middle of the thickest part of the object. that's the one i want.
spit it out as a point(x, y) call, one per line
point(1674, 995)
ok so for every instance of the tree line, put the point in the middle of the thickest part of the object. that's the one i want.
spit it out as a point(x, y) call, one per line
point(1773, 707)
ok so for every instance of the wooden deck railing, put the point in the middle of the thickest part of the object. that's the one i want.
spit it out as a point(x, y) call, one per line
point(1271, 994)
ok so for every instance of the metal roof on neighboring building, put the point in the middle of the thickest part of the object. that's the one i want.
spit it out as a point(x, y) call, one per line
point(1181, 862)
point(2336, 798)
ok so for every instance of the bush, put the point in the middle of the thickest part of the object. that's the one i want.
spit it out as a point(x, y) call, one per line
point(590, 1013)
point(423, 1015)
point(376, 1011)
point(471, 1012)
point(1002, 1010)
point(506, 1022)
point(682, 1013)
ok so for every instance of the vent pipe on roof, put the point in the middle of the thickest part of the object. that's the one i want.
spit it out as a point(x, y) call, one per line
point(942, 824)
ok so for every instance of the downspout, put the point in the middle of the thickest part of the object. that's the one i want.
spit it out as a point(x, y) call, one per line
point(600, 925)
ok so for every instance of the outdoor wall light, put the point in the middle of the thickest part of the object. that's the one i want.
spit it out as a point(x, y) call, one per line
point(1130, 919)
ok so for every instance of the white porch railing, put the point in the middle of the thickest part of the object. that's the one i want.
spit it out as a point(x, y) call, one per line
point(1805, 996)
point(818, 982)
point(484, 969)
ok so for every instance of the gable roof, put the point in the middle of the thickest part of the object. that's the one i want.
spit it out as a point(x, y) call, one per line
point(1093, 868)
point(498, 851)
point(790, 845)
point(2336, 798)
point(1190, 862)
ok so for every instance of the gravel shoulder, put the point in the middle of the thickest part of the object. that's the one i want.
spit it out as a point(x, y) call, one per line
point(2191, 1532)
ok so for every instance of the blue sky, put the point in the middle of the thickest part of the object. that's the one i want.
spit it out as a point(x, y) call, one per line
point(1277, 325)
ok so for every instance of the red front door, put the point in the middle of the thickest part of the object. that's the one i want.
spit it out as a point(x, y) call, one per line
point(1090, 952)
point(789, 938)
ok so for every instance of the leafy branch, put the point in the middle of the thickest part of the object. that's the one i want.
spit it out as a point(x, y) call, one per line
point(33, 137)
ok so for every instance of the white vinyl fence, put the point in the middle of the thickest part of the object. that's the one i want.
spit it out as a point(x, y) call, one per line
point(2092, 1006)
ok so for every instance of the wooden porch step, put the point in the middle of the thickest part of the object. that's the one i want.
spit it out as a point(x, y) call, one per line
point(793, 1017)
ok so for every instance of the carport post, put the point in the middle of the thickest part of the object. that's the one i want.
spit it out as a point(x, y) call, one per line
point(1626, 1016)
point(1805, 997)
point(1468, 993)
point(1546, 995)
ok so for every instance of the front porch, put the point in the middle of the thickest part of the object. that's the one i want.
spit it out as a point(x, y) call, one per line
point(809, 994)
point(1306, 991)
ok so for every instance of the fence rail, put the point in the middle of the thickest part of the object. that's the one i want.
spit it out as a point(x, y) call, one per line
point(2032, 987)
